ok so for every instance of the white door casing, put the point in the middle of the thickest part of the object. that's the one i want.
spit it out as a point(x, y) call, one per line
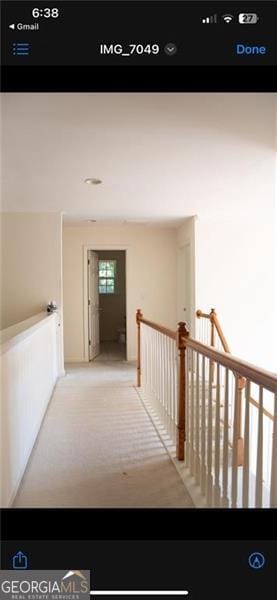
point(185, 285)
point(93, 305)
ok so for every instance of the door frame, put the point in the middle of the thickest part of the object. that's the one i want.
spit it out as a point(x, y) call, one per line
point(188, 242)
point(98, 247)
point(92, 294)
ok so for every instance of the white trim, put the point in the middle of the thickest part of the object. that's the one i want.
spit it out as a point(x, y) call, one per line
point(86, 248)
point(191, 240)
point(188, 242)
point(10, 337)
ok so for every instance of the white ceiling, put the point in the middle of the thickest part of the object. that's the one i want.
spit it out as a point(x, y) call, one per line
point(162, 157)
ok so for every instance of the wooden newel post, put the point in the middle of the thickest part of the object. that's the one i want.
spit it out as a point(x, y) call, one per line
point(182, 334)
point(139, 316)
point(212, 315)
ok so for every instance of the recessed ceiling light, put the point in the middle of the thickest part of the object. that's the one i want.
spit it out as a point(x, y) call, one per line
point(93, 181)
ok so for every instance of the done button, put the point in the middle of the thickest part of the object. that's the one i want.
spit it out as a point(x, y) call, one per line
point(250, 50)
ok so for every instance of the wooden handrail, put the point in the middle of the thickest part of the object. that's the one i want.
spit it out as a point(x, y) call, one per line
point(169, 332)
point(213, 318)
point(266, 412)
point(203, 315)
point(240, 367)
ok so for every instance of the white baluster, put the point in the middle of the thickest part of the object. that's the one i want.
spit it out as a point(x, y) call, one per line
point(172, 391)
point(197, 423)
point(173, 349)
point(273, 482)
point(188, 407)
point(163, 378)
point(166, 384)
point(168, 420)
point(145, 357)
point(175, 385)
point(225, 467)
point(245, 484)
point(148, 361)
point(203, 429)
point(217, 489)
point(192, 393)
point(156, 372)
point(151, 364)
point(142, 359)
point(169, 385)
point(259, 464)
point(169, 380)
point(235, 446)
point(159, 373)
point(210, 441)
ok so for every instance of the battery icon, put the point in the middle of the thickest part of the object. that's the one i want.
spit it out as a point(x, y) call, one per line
point(248, 18)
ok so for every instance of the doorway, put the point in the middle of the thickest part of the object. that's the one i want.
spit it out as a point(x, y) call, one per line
point(106, 304)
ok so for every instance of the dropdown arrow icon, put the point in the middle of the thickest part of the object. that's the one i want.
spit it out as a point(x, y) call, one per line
point(170, 49)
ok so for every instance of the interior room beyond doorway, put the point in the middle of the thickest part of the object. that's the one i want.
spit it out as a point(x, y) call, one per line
point(110, 297)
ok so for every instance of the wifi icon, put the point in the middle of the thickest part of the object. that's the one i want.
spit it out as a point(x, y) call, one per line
point(227, 18)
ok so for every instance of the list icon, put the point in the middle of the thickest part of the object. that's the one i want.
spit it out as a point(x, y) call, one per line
point(21, 49)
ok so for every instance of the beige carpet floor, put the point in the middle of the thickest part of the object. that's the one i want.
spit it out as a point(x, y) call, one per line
point(111, 351)
point(98, 447)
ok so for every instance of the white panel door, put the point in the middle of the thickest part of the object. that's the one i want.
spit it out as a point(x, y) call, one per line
point(93, 305)
point(184, 285)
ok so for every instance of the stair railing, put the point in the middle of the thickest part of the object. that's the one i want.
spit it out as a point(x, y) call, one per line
point(175, 373)
point(158, 370)
point(216, 338)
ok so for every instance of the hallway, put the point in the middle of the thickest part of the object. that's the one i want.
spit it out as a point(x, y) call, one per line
point(97, 447)
point(111, 351)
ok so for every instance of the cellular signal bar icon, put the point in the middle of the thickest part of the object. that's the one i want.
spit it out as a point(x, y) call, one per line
point(209, 20)
point(20, 49)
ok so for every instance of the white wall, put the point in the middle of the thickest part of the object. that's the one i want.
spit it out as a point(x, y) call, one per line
point(150, 274)
point(28, 374)
point(236, 274)
point(235, 270)
point(31, 266)
point(236, 226)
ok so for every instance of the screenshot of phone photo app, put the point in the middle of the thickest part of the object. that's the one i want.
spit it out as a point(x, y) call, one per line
point(138, 299)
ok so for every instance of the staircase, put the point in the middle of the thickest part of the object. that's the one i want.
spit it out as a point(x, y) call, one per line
point(219, 411)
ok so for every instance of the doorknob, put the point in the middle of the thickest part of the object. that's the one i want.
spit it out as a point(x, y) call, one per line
point(185, 308)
